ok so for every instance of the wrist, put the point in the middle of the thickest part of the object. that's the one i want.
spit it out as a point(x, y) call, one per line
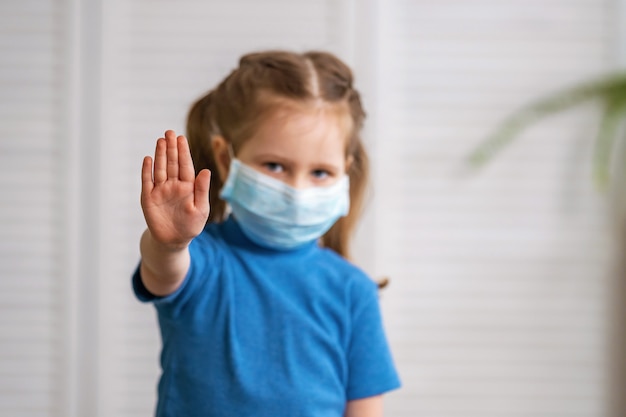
point(162, 263)
point(163, 247)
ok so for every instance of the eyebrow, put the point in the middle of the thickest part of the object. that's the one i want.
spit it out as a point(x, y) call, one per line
point(285, 159)
point(327, 167)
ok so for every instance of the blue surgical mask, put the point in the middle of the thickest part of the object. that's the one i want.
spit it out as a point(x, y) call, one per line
point(278, 216)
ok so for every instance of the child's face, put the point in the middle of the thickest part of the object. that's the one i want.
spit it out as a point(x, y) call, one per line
point(301, 148)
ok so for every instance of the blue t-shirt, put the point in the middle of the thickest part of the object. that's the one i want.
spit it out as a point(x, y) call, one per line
point(258, 332)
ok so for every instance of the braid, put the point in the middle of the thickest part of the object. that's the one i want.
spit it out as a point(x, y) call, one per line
point(200, 129)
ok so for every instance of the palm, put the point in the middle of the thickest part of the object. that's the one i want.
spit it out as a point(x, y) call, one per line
point(175, 203)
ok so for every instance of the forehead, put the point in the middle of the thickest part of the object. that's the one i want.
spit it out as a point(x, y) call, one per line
point(320, 130)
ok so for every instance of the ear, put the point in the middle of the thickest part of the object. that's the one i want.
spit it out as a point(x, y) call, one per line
point(349, 161)
point(221, 154)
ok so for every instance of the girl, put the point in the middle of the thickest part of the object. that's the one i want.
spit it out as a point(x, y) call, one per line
point(260, 312)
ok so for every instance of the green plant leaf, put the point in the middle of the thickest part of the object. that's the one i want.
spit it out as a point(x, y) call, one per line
point(601, 88)
point(612, 119)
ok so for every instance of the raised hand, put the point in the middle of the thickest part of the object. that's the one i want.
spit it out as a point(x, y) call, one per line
point(175, 202)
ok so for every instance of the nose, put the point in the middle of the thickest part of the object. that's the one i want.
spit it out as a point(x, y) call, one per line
point(298, 181)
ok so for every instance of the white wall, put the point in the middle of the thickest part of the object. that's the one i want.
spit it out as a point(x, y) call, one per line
point(499, 280)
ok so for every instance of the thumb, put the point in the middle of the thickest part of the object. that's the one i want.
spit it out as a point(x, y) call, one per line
point(201, 191)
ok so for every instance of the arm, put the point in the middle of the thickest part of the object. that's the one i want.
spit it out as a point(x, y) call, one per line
point(365, 407)
point(175, 205)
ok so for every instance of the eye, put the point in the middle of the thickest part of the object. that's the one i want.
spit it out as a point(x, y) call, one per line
point(274, 167)
point(321, 174)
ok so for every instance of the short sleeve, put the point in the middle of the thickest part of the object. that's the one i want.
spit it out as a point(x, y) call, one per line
point(144, 295)
point(371, 367)
point(140, 290)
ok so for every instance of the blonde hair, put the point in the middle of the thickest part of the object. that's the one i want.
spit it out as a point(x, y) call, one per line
point(262, 82)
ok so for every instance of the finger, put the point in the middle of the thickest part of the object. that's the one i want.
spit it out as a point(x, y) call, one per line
point(201, 191)
point(146, 177)
point(160, 162)
point(185, 162)
point(172, 154)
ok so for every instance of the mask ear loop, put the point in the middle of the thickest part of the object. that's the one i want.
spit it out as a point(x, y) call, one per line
point(231, 154)
point(231, 151)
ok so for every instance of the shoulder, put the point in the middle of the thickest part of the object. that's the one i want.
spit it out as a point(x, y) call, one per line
point(354, 279)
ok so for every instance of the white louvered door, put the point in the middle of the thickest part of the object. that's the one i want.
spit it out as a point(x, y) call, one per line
point(33, 208)
point(498, 298)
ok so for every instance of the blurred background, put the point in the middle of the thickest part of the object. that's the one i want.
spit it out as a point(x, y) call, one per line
point(506, 294)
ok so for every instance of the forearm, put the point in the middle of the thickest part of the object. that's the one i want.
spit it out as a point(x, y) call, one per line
point(366, 407)
point(163, 268)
